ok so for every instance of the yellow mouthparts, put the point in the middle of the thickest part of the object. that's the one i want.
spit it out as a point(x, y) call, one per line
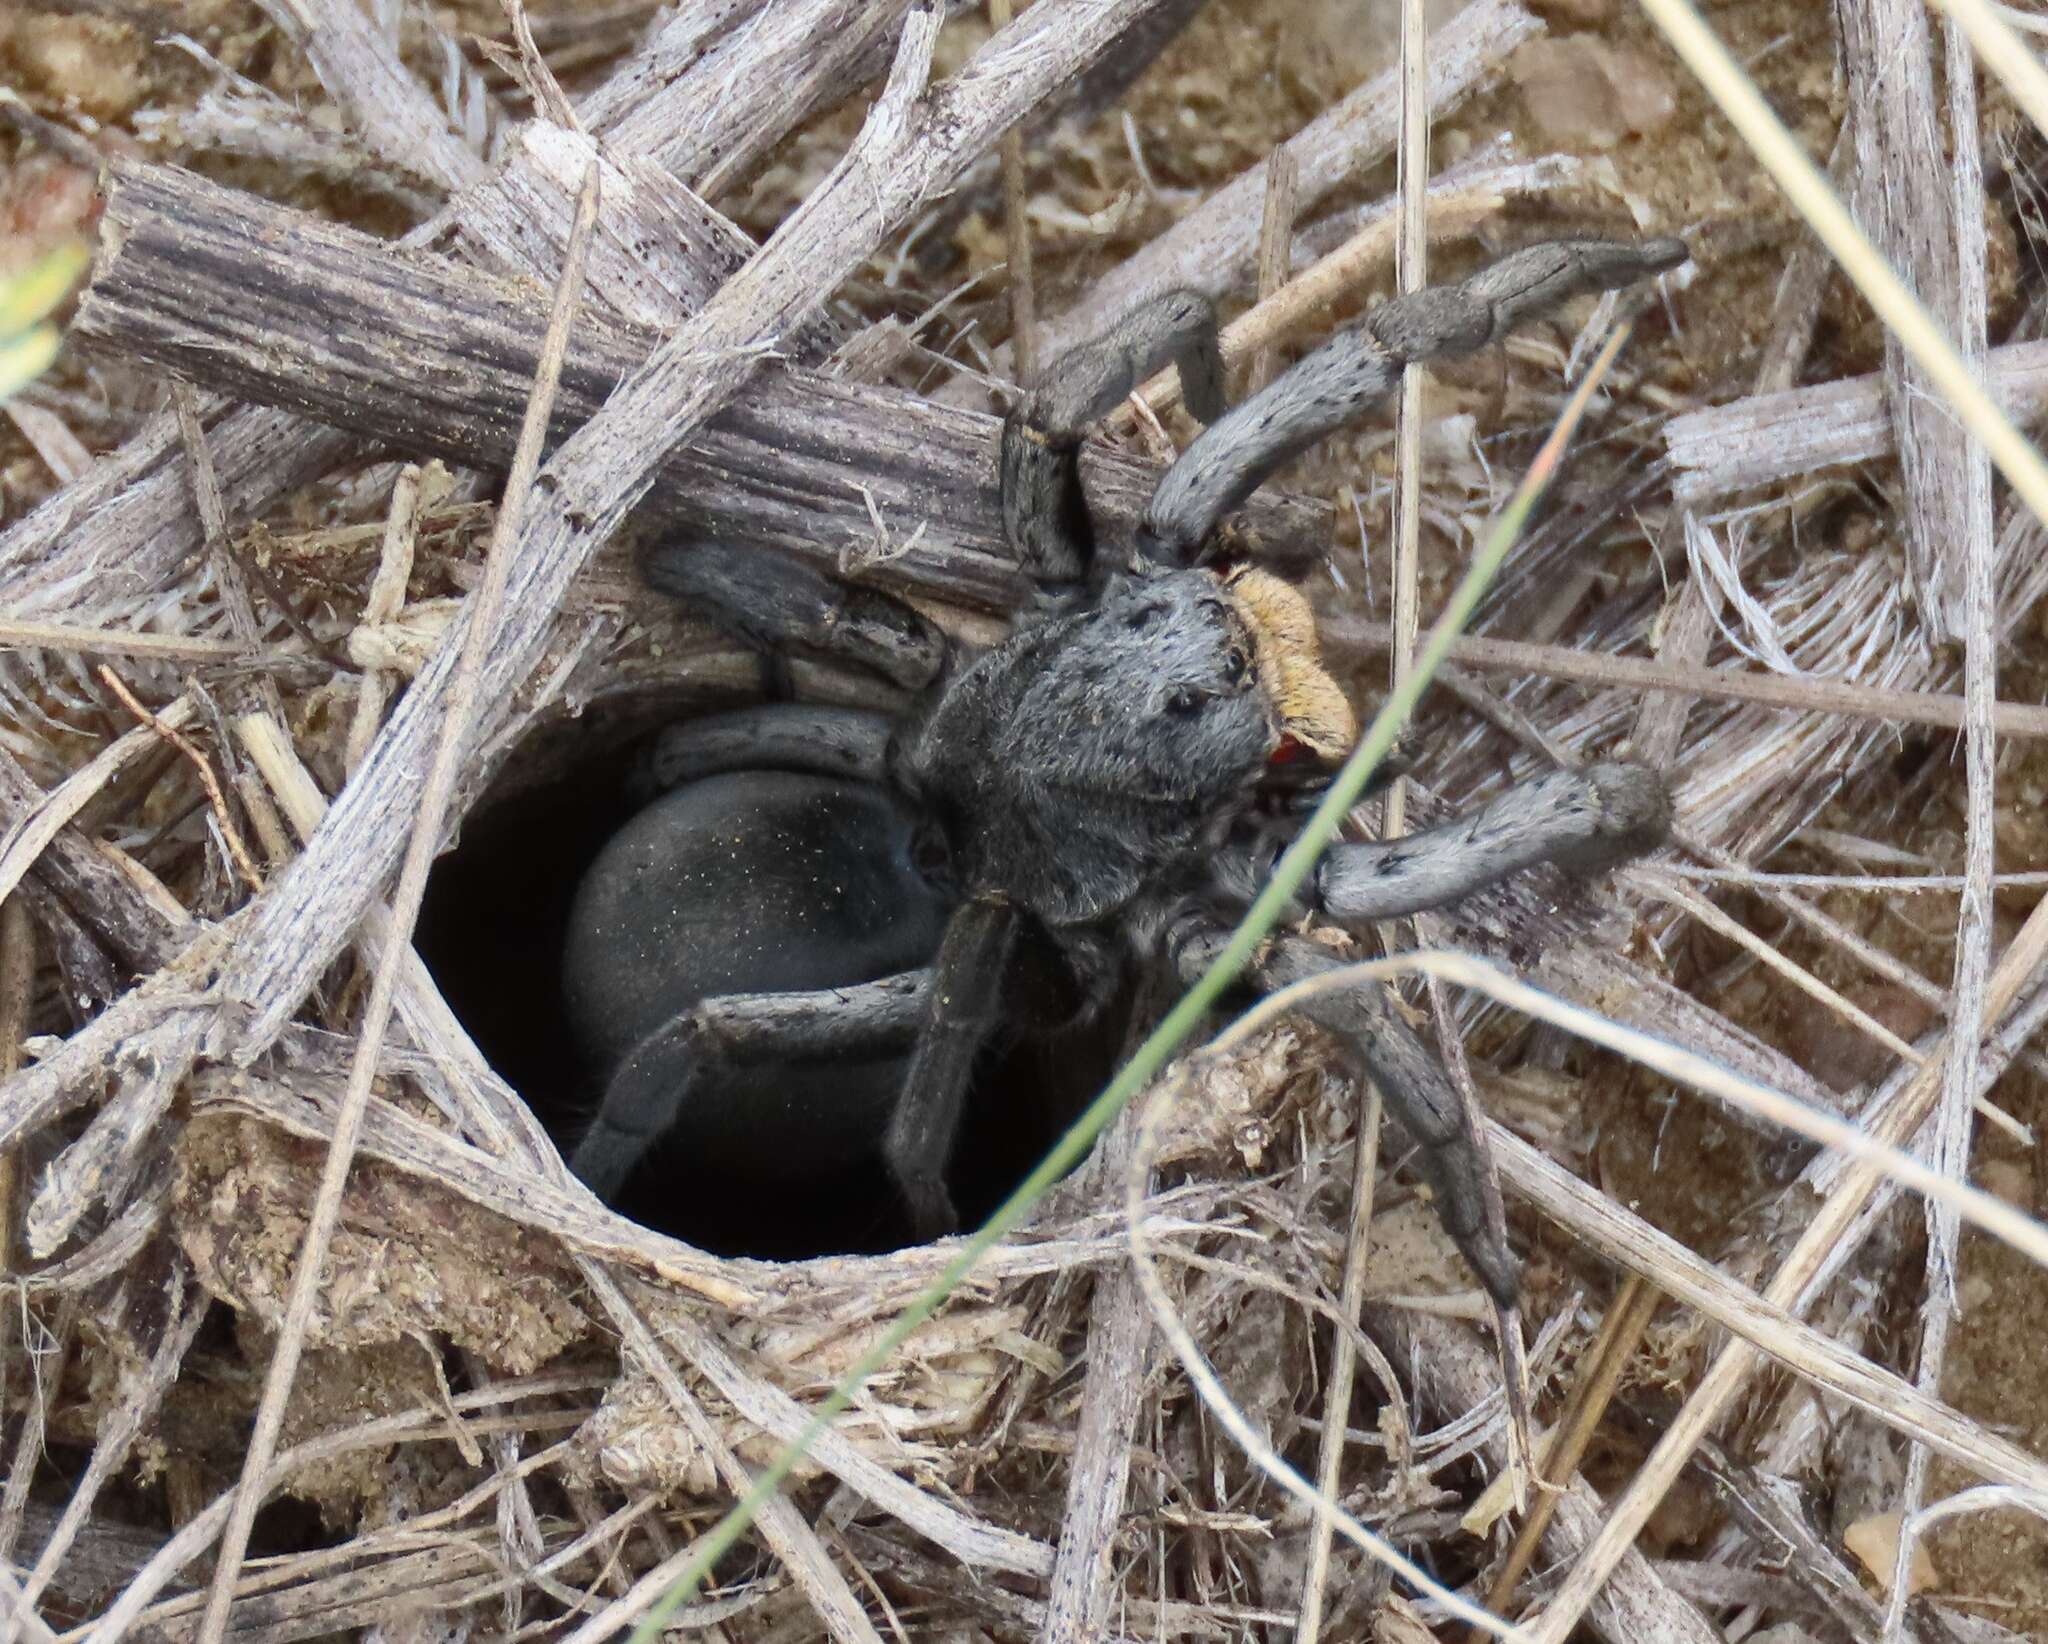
point(1311, 709)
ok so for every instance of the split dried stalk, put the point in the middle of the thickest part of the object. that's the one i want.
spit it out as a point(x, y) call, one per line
point(1768, 438)
point(1967, 529)
point(1905, 199)
point(381, 98)
point(423, 844)
point(421, 353)
point(1082, 1595)
point(1023, 291)
point(1276, 245)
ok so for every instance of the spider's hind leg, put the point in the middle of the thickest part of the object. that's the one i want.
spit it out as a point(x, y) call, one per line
point(684, 1063)
point(1045, 516)
point(1412, 1082)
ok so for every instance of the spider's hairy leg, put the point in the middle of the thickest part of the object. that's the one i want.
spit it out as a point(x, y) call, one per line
point(1583, 821)
point(684, 1060)
point(775, 602)
point(1045, 517)
point(1411, 1080)
point(965, 1002)
point(1344, 378)
point(770, 736)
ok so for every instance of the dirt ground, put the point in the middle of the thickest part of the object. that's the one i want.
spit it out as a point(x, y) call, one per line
point(1247, 74)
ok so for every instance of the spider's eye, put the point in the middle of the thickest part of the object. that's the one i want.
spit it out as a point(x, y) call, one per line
point(1184, 699)
point(1142, 618)
point(1234, 664)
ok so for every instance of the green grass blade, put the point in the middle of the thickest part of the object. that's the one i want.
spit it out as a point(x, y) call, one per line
point(1185, 1016)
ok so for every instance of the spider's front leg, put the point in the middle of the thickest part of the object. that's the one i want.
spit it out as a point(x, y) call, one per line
point(1045, 516)
point(1344, 378)
point(1582, 821)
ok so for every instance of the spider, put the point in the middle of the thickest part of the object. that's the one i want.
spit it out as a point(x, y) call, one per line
point(794, 953)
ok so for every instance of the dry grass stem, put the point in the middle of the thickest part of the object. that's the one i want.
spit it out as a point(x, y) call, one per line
point(231, 837)
point(1365, 1145)
point(1017, 227)
point(1803, 694)
point(58, 636)
point(1599, 1373)
point(1966, 523)
point(1275, 263)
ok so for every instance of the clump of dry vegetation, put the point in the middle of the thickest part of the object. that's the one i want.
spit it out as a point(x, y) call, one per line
point(257, 1177)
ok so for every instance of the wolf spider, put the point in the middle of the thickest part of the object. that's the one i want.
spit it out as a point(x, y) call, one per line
point(819, 893)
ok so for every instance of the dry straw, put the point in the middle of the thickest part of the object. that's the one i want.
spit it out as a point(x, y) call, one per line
point(1758, 753)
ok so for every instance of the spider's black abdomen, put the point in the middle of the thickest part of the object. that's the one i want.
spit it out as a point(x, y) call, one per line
point(752, 882)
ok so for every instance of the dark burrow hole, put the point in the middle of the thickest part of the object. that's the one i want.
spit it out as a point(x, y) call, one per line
point(492, 931)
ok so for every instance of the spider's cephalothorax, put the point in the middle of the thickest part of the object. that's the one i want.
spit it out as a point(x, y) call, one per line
point(756, 962)
point(1093, 755)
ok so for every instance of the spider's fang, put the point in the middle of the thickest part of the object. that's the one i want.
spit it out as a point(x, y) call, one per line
point(1311, 711)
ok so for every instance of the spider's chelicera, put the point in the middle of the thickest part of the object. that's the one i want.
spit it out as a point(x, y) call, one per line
point(794, 953)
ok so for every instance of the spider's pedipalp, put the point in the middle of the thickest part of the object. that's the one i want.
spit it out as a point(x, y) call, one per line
point(1045, 517)
point(1340, 381)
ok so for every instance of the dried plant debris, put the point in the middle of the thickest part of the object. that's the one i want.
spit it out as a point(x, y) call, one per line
point(516, 1410)
point(411, 1263)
